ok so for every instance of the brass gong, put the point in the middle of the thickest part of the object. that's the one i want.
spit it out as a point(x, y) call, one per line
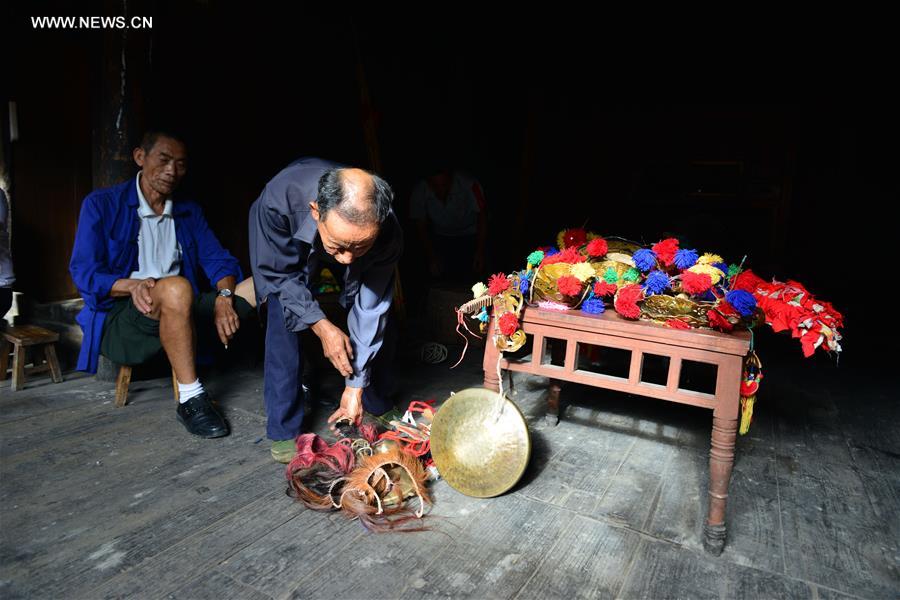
point(480, 443)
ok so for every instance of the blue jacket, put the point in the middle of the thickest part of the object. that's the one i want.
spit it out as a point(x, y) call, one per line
point(285, 250)
point(106, 249)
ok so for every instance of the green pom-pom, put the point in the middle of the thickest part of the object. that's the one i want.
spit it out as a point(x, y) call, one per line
point(632, 275)
point(611, 276)
point(733, 270)
point(535, 258)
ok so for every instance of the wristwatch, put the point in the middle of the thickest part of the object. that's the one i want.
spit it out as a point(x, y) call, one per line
point(225, 293)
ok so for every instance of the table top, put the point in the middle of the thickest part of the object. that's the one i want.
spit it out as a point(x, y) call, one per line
point(610, 322)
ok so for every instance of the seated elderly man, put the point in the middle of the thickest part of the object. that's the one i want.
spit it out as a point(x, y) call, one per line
point(139, 258)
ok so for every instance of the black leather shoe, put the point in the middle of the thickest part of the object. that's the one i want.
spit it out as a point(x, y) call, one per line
point(200, 417)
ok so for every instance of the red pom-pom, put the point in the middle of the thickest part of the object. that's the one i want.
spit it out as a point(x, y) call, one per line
point(568, 285)
point(677, 324)
point(602, 288)
point(627, 299)
point(574, 237)
point(665, 251)
point(695, 283)
point(508, 323)
point(498, 283)
point(569, 255)
point(597, 247)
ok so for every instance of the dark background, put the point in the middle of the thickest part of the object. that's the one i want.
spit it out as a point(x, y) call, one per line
point(780, 156)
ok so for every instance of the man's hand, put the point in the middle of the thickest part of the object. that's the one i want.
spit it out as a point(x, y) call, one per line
point(140, 295)
point(351, 408)
point(336, 346)
point(227, 320)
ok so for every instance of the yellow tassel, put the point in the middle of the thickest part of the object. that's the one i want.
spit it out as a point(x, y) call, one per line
point(746, 413)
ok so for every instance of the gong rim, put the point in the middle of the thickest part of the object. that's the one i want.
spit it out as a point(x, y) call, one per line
point(478, 452)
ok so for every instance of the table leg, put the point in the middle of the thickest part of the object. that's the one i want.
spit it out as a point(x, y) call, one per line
point(491, 356)
point(552, 415)
point(721, 461)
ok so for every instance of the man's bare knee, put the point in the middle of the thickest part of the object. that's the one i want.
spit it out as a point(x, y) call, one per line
point(174, 294)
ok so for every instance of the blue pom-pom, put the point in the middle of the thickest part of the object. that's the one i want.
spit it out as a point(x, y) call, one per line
point(523, 286)
point(483, 316)
point(593, 306)
point(743, 302)
point(722, 267)
point(656, 283)
point(644, 259)
point(551, 252)
point(685, 259)
point(708, 296)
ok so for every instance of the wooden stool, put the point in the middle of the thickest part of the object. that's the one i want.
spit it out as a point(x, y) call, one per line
point(124, 380)
point(21, 338)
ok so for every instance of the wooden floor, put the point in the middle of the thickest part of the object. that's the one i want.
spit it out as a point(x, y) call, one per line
point(99, 502)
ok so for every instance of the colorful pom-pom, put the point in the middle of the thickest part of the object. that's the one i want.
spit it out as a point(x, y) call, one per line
point(524, 284)
point(656, 283)
point(583, 271)
point(695, 283)
point(632, 275)
point(602, 288)
point(665, 250)
point(685, 258)
point(508, 323)
point(568, 285)
point(627, 299)
point(483, 316)
point(709, 259)
point(498, 283)
point(715, 275)
point(644, 259)
point(743, 302)
point(479, 290)
point(571, 238)
point(611, 275)
point(535, 258)
point(677, 324)
point(593, 306)
point(597, 247)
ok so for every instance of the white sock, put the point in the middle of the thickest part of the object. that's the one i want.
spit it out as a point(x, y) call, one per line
point(186, 391)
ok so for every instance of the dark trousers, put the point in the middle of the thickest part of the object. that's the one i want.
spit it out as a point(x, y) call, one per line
point(283, 376)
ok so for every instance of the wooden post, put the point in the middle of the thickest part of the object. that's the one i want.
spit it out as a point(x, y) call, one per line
point(491, 355)
point(721, 455)
point(122, 383)
point(4, 358)
point(52, 363)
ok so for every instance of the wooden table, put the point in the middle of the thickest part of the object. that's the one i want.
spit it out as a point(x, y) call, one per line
point(609, 330)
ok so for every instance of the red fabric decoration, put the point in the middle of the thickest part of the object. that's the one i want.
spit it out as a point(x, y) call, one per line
point(568, 285)
point(602, 288)
point(695, 283)
point(597, 247)
point(747, 281)
point(498, 283)
point(677, 324)
point(717, 321)
point(627, 299)
point(574, 237)
point(665, 251)
point(569, 255)
point(508, 323)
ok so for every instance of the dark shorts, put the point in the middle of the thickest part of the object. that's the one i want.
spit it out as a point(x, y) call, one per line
point(130, 338)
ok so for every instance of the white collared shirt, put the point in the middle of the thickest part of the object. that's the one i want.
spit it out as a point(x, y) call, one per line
point(159, 254)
